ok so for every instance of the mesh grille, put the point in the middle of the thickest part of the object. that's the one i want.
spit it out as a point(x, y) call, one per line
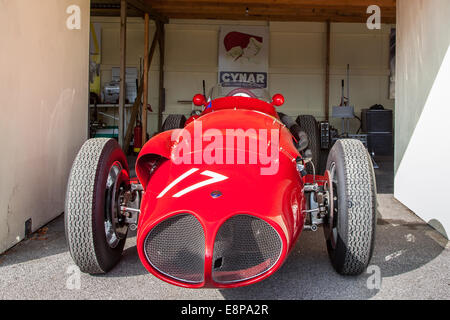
point(245, 247)
point(176, 248)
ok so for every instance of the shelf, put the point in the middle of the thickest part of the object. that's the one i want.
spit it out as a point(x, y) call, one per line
point(116, 106)
point(110, 106)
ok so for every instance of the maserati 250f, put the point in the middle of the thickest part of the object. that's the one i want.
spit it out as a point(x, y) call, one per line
point(221, 198)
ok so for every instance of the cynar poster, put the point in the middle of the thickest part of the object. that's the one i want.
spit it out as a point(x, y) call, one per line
point(244, 55)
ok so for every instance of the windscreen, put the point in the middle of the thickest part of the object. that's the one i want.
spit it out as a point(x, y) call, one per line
point(239, 89)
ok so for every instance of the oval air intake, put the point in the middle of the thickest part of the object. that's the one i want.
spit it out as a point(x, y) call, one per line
point(176, 248)
point(245, 247)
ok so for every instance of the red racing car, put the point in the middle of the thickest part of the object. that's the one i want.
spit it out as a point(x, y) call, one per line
point(221, 199)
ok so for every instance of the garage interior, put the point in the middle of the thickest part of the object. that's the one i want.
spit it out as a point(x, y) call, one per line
point(311, 47)
point(169, 50)
point(308, 56)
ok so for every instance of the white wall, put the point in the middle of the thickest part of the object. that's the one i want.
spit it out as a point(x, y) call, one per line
point(297, 62)
point(43, 99)
point(422, 111)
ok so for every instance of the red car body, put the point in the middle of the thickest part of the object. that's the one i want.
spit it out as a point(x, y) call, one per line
point(277, 200)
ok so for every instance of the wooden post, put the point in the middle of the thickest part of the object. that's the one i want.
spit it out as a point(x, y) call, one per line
point(162, 91)
point(327, 73)
point(145, 83)
point(123, 51)
point(137, 103)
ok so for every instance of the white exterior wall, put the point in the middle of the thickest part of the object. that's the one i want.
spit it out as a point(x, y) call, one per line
point(43, 98)
point(422, 110)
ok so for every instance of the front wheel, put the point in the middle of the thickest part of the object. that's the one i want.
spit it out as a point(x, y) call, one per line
point(95, 230)
point(350, 227)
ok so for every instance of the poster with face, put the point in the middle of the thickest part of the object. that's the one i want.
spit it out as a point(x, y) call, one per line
point(244, 55)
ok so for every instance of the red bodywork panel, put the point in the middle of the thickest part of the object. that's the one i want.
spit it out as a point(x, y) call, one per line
point(277, 199)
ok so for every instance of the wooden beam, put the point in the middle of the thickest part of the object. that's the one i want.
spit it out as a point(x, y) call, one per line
point(275, 10)
point(282, 18)
point(113, 12)
point(145, 7)
point(162, 90)
point(342, 3)
point(123, 66)
point(266, 9)
point(145, 82)
point(327, 72)
point(137, 103)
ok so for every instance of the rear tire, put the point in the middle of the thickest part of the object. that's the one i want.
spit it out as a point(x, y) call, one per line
point(91, 199)
point(350, 230)
point(309, 125)
point(300, 136)
point(174, 121)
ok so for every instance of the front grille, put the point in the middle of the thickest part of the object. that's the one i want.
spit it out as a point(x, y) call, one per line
point(245, 247)
point(176, 248)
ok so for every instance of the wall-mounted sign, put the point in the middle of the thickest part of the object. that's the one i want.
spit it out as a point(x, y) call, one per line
point(244, 55)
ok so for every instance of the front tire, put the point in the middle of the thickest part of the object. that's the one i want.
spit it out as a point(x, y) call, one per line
point(350, 229)
point(95, 231)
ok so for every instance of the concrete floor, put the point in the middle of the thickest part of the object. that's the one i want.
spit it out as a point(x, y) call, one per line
point(414, 261)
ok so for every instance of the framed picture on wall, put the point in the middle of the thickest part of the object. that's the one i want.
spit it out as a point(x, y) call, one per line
point(244, 55)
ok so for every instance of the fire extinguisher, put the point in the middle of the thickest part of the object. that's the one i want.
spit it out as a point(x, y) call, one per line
point(138, 137)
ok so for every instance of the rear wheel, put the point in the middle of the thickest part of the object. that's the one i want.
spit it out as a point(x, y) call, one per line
point(174, 121)
point(350, 227)
point(95, 230)
point(309, 125)
point(301, 139)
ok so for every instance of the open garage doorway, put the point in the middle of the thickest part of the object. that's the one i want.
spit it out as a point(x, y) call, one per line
point(331, 60)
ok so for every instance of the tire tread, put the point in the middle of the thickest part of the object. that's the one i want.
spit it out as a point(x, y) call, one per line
point(80, 205)
point(309, 125)
point(361, 206)
point(174, 121)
